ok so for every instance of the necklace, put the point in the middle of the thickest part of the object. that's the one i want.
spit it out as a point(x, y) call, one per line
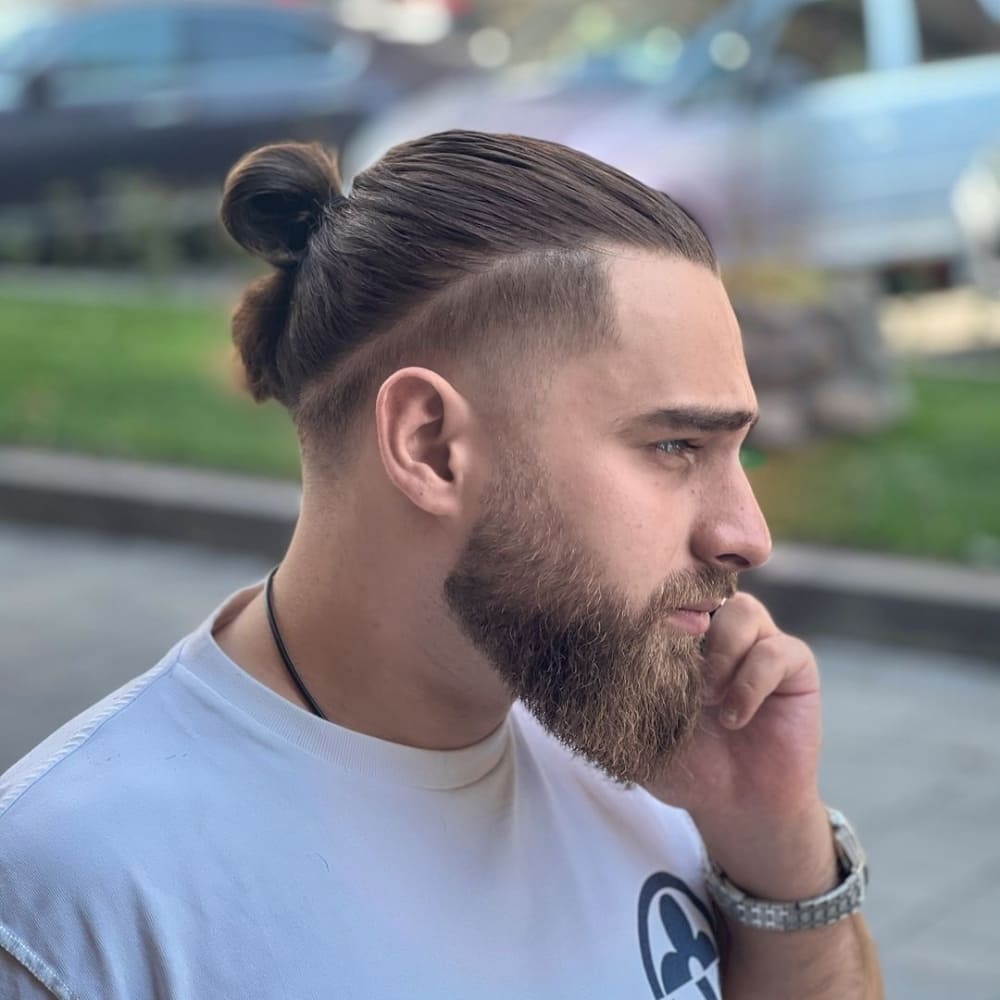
point(283, 653)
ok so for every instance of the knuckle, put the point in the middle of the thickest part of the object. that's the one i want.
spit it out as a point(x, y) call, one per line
point(777, 643)
point(788, 648)
point(746, 688)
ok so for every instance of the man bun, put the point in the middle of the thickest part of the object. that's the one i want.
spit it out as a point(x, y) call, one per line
point(275, 198)
point(460, 241)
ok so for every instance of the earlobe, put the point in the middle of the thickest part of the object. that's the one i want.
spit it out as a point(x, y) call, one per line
point(422, 423)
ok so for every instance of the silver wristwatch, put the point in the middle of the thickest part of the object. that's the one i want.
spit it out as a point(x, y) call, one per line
point(804, 914)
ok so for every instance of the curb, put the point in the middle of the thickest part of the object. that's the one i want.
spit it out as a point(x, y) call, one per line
point(110, 496)
point(891, 599)
point(810, 590)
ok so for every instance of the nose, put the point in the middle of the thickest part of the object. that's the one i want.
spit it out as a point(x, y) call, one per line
point(731, 532)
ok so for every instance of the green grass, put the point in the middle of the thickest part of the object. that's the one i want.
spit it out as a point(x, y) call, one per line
point(930, 486)
point(150, 380)
point(157, 380)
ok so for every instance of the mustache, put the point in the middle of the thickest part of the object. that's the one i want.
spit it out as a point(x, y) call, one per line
point(688, 587)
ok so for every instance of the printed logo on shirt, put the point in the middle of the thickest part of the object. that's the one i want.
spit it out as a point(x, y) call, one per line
point(677, 941)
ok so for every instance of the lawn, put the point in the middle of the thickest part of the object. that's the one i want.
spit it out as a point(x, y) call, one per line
point(930, 486)
point(150, 380)
point(157, 380)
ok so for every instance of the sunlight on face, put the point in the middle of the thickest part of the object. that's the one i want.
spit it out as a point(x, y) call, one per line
point(625, 505)
point(648, 493)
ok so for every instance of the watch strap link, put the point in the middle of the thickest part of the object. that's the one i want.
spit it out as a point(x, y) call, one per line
point(805, 914)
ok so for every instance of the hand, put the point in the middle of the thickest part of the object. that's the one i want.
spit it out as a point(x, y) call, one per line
point(749, 775)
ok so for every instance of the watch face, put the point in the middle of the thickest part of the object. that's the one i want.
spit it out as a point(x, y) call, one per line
point(849, 849)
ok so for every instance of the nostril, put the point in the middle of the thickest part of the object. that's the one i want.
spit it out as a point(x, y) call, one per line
point(734, 559)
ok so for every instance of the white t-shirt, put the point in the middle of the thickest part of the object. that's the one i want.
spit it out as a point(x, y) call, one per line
point(194, 835)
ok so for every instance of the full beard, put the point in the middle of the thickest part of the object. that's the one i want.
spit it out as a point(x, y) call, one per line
point(623, 688)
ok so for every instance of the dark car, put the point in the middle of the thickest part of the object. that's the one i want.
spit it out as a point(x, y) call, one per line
point(173, 90)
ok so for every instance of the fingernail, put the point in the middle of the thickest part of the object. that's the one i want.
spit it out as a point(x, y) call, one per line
point(729, 717)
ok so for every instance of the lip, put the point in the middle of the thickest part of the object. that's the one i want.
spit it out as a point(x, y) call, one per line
point(691, 620)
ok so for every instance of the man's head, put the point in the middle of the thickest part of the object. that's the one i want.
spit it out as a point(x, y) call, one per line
point(489, 246)
point(535, 355)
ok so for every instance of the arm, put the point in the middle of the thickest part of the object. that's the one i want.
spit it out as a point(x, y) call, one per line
point(749, 780)
point(830, 963)
point(836, 962)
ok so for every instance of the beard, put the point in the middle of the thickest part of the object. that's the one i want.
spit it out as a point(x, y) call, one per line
point(619, 686)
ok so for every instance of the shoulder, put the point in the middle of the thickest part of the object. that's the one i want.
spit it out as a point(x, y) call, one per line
point(87, 792)
point(50, 771)
point(68, 812)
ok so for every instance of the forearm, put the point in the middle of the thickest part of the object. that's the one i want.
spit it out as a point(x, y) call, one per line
point(833, 963)
point(791, 860)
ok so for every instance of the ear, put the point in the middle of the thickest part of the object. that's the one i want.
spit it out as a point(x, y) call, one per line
point(424, 427)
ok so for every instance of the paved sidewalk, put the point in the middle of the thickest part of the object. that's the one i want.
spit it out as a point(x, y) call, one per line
point(912, 748)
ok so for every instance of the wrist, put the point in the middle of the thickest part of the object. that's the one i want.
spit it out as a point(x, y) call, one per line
point(780, 858)
point(812, 913)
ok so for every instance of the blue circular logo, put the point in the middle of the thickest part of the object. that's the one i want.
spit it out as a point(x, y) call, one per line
point(676, 937)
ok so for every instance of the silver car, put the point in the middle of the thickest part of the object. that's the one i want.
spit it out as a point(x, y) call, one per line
point(831, 132)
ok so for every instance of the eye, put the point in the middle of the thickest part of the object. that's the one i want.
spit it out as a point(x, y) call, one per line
point(677, 447)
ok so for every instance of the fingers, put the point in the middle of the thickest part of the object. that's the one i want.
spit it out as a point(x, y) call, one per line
point(747, 659)
point(736, 627)
point(777, 664)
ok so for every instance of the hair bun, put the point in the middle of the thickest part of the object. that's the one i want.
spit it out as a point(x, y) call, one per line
point(275, 196)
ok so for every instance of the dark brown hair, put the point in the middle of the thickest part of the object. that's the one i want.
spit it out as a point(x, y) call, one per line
point(457, 242)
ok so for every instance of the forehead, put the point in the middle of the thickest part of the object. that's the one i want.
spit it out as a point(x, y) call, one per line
point(679, 343)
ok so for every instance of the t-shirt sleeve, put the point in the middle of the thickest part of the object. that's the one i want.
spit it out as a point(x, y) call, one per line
point(25, 976)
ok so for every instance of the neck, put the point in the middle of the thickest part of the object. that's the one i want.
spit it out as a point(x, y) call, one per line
point(372, 642)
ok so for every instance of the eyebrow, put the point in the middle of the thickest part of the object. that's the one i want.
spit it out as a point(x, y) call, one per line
point(699, 418)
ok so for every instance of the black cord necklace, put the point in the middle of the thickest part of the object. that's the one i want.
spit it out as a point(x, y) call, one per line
point(292, 672)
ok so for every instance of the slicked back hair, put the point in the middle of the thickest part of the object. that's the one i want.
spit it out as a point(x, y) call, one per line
point(459, 244)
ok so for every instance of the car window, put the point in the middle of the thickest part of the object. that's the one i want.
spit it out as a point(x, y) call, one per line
point(821, 40)
point(957, 28)
point(110, 57)
point(122, 38)
point(233, 35)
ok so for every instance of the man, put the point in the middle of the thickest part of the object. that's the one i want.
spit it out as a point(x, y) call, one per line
point(520, 394)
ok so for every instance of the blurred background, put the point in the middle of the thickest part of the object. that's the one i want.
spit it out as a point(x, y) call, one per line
point(844, 157)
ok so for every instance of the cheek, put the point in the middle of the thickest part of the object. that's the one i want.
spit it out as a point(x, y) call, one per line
point(632, 515)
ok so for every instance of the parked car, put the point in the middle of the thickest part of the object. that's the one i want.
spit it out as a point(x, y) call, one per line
point(174, 90)
point(831, 132)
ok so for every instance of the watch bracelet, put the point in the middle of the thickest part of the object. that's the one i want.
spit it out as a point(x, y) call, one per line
point(823, 910)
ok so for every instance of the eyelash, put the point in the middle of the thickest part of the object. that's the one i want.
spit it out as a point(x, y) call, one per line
point(685, 447)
